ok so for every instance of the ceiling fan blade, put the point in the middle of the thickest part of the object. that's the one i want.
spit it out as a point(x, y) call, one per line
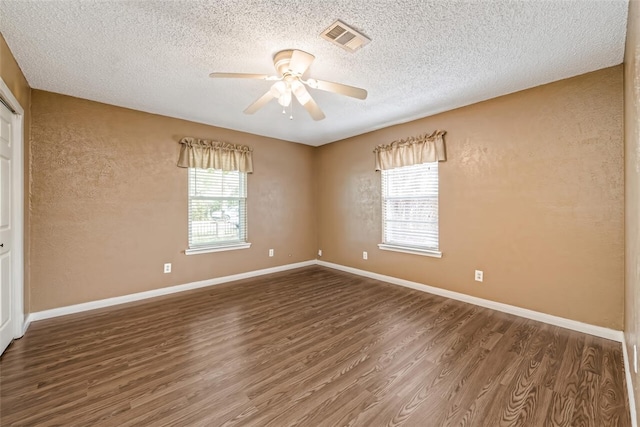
point(352, 91)
point(313, 109)
point(304, 98)
point(260, 102)
point(300, 61)
point(238, 76)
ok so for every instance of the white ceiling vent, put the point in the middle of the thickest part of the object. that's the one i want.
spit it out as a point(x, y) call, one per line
point(344, 36)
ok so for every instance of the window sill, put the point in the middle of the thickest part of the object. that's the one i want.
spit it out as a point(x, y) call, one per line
point(209, 249)
point(410, 250)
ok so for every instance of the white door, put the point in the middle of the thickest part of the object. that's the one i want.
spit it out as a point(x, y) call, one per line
point(6, 288)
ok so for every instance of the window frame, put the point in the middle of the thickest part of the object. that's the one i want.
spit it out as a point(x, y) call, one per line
point(423, 250)
point(227, 245)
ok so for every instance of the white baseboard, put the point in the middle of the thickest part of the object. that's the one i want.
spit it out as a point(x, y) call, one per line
point(522, 312)
point(92, 305)
point(627, 370)
point(26, 324)
point(586, 328)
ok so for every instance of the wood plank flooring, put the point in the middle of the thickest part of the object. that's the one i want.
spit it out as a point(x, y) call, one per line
point(309, 347)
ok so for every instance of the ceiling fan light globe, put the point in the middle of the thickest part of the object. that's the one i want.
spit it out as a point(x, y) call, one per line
point(285, 99)
point(304, 99)
point(301, 94)
point(278, 89)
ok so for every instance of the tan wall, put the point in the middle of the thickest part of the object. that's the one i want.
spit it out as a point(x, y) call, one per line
point(531, 193)
point(632, 185)
point(109, 205)
point(12, 76)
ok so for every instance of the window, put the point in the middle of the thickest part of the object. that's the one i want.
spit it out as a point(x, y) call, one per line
point(217, 210)
point(410, 209)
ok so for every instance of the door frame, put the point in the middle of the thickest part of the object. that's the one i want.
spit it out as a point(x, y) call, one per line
point(17, 209)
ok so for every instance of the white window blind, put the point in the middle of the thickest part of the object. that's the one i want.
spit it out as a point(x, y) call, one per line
point(217, 208)
point(410, 207)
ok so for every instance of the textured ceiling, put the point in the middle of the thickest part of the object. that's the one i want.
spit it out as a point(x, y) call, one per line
point(425, 56)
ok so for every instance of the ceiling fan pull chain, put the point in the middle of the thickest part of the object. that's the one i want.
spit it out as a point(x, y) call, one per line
point(291, 106)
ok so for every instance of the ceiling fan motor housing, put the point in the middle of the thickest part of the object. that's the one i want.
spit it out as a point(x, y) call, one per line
point(282, 59)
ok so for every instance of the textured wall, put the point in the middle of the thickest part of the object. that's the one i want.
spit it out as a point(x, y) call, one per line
point(109, 205)
point(531, 193)
point(632, 190)
point(15, 80)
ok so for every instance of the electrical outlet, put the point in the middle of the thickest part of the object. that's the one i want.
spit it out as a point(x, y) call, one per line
point(365, 255)
point(270, 252)
point(635, 358)
point(167, 267)
point(319, 252)
point(479, 275)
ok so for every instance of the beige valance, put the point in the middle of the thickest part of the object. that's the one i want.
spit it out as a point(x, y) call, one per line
point(411, 151)
point(206, 154)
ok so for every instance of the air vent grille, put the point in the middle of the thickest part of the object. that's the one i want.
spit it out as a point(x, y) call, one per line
point(344, 36)
point(335, 32)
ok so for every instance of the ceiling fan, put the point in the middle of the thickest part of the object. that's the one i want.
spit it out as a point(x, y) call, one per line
point(292, 66)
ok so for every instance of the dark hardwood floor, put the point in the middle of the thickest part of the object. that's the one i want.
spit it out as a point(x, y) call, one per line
point(310, 347)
